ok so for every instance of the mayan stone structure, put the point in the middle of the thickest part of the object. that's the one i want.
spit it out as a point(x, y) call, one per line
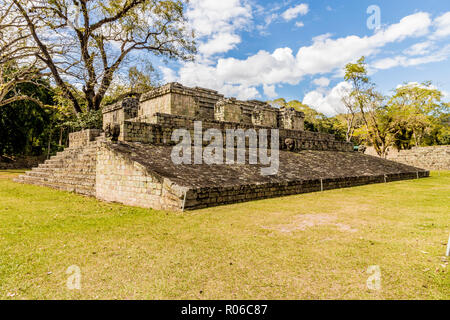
point(130, 160)
point(430, 158)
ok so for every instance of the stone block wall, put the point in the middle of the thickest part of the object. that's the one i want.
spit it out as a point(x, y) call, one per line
point(291, 119)
point(155, 104)
point(246, 112)
point(119, 179)
point(265, 117)
point(83, 137)
point(120, 111)
point(173, 98)
point(209, 197)
point(228, 110)
point(162, 126)
point(430, 158)
point(201, 104)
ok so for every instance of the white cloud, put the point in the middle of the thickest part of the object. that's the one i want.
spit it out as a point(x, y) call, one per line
point(299, 24)
point(419, 49)
point(216, 23)
point(220, 42)
point(328, 102)
point(322, 82)
point(324, 55)
point(241, 77)
point(269, 91)
point(168, 74)
point(404, 61)
point(294, 12)
point(442, 25)
point(241, 92)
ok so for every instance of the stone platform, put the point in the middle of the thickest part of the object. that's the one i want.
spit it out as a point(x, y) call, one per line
point(144, 175)
point(157, 182)
point(137, 169)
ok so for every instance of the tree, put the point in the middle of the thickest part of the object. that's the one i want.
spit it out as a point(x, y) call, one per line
point(370, 104)
point(19, 63)
point(134, 83)
point(25, 125)
point(414, 109)
point(350, 115)
point(95, 38)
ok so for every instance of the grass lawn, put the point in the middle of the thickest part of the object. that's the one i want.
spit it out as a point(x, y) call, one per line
point(310, 246)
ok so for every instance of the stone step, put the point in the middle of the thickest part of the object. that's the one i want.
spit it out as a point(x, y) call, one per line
point(79, 157)
point(87, 191)
point(67, 184)
point(73, 169)
point(62, 174)
point(90, 177)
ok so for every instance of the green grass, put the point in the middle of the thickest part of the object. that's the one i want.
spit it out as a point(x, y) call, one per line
point(310, 246)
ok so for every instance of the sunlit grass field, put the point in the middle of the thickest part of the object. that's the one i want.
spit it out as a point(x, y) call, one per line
point(309, 246)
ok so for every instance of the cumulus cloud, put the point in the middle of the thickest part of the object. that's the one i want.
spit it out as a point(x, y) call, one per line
point(322, 82)
point(240, 91)
point(221, 42)
point(168, 74)
point(231, 75)
point(216, 23)
point(404, 61)
point(328, 102)
point(242, 77)
point(442, 25)
point(294, 12)
point(419, 49)
point(269, 91)
point(326, 54)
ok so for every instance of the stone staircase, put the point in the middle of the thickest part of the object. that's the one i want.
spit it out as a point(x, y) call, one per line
point(73, 169)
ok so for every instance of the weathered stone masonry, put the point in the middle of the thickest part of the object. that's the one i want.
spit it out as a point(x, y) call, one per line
point(138, 171)
point(430, 158)
point(120, 179)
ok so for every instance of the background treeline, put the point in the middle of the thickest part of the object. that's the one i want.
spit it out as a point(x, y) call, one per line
point(414, 115)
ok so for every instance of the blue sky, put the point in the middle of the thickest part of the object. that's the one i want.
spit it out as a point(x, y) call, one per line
point(296, 49)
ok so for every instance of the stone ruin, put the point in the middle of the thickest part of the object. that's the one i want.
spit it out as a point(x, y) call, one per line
point(129, 161)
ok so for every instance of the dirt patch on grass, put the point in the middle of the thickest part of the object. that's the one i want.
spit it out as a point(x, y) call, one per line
point(304, 221)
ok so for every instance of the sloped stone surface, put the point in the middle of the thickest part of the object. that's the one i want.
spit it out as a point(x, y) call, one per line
point(305, 165)
point(306, 171)
point(144, 175)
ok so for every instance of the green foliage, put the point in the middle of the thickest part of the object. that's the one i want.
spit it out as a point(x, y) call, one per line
point(357, 72)
point(99, 47)
point(133, 84)
point(416, 116)
point(24, 125)
point(87, 120)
